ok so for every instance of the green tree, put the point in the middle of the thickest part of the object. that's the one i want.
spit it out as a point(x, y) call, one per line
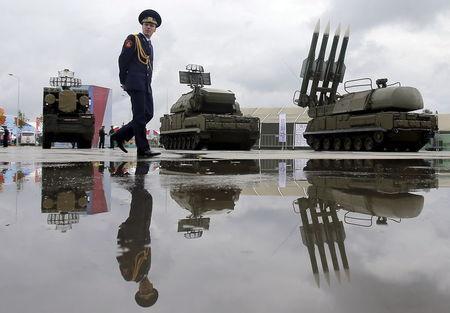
point(21, 119)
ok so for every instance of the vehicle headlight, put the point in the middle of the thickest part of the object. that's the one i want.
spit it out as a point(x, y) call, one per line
point(50, 98)
point(84, 100)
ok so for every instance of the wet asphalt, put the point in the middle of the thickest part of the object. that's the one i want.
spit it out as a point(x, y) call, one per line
point(221, 231)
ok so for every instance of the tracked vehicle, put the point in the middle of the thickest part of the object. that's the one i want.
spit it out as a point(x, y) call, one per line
point(206, 118)
point(371, 119)
point(66, 113)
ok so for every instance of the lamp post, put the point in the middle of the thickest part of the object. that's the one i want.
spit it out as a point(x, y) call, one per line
point(18, 98)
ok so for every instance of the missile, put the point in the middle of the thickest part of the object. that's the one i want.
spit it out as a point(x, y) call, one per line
point(307, 67)
point(329, 66)
point(318, 64)
point(307, 232)
point(340, 67)
point(319, 240)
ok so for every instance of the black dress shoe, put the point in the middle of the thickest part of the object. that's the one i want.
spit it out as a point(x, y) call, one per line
point(147, 154)
point(119, 143)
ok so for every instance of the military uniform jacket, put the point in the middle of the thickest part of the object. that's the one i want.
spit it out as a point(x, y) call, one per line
point(134, 73)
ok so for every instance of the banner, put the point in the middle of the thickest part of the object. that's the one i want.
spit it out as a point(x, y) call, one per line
point(282, 127)
point(299, 140)
point(282, 174)
point(299, 164)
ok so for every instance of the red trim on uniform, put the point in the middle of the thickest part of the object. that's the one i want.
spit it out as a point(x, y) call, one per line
point(128, 43)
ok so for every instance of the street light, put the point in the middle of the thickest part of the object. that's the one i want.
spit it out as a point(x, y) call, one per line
point(18, 96)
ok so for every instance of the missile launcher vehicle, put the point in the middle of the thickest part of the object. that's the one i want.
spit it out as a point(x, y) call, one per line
point(66, 114)
point(206, 117)
point(371, 119)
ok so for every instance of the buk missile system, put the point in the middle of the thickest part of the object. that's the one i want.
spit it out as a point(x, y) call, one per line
point(66, 114)
point(206, 117)
point(371, 119)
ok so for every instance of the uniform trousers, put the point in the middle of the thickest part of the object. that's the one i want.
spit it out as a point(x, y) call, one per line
point(142, 108)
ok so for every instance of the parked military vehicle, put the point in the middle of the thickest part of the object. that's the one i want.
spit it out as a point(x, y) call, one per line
point(66, 115)
point(374, 119)
point(206, 117)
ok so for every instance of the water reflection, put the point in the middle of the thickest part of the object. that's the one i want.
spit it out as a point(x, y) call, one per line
point(134, 238)
point(16, 173)
point(364, 190)
point(71, 189)
point(200, 201)
point(259, 244)
point(205, 199)
point(210, 167)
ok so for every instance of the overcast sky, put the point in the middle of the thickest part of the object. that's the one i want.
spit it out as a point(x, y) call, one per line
point(252, 47)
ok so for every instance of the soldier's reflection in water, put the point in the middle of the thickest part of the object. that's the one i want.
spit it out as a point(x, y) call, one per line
point(133, 239)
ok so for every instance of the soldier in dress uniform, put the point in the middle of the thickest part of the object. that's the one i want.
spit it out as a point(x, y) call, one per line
point(135, 74)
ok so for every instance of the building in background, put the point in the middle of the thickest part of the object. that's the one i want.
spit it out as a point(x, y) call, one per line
point(269, 126)
point(441, 140)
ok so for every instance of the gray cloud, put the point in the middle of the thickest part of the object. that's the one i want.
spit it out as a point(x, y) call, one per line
point(254, 48)
point(366, 14)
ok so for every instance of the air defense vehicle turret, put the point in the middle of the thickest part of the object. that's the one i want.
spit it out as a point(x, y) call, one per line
point(66, 113)
point(377, 118)
point(206, 118)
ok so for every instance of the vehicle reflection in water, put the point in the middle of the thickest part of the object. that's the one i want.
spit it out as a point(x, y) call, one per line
point(210, 167)
point(204, 199)
point(364, 190)
point(133, 238)
point(71, 189)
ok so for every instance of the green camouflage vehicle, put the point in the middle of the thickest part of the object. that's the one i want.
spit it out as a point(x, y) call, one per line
point(371, 119)
point(206, 117)
point(66, 115)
